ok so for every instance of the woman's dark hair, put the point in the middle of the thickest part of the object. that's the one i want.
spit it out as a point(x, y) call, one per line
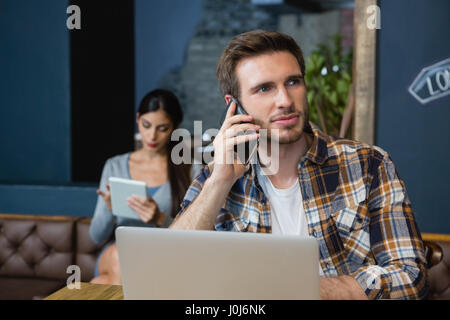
point(179, 175)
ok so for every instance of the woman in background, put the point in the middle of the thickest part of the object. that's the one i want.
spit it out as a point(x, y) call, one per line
point(158, 115)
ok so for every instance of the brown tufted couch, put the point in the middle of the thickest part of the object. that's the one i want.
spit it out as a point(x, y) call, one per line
point(438, 256)
point(35, 252)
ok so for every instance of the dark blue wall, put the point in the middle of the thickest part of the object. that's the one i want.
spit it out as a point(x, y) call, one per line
point(163, 30)
point(48, 200)
point(34, 91)
point(35, 133)
point(414, 35)
point(35, 95)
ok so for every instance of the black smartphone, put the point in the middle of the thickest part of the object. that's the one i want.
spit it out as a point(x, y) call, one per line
point(250, 147)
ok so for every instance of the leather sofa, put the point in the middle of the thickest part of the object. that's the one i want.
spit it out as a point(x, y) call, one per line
point(438, 256)
point(36, 251)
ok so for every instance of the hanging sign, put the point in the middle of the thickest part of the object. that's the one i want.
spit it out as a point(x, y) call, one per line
point(432, 82)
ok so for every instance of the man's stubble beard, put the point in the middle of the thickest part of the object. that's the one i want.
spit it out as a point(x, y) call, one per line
point(304, 117)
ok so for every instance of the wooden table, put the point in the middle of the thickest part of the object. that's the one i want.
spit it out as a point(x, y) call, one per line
point(88, 291)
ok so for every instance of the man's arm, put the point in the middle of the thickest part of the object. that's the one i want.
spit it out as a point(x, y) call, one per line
point(202, 212)
point(395, 240)
point(341, 288)
point(212, 189)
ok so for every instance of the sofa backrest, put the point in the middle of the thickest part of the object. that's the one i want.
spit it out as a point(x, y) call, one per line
point(86, 250)
point(439, 274)
point(36, 246)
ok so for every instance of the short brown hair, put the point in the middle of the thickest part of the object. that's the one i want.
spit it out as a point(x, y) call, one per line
point(251, 44)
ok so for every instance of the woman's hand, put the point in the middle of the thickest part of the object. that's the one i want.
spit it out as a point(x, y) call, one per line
point(106, 196)
point(147, 209)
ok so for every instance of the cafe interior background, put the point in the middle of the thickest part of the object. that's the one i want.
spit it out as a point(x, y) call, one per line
point(68, 95)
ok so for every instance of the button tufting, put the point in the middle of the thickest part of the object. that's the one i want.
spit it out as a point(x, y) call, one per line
point(15, 246)
point(31, 264)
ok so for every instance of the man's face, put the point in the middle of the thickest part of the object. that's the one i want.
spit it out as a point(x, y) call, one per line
point(273, 92)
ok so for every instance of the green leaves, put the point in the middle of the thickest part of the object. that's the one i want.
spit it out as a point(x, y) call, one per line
point(342, 86)
point(333, 98)
point(328, 78)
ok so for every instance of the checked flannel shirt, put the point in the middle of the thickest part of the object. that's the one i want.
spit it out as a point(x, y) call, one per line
point(356, 207)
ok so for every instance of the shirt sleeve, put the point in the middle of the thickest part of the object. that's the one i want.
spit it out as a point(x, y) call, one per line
point(395, 240)
point(196, 169)
point(194, 189)
point(103, 222)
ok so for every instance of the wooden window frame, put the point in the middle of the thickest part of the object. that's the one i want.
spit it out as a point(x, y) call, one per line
point(364, 73)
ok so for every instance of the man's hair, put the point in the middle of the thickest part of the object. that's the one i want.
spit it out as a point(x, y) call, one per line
point(252, 44)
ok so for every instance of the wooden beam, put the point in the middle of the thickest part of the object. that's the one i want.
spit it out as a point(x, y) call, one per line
point(435, 237)
point(364, 73)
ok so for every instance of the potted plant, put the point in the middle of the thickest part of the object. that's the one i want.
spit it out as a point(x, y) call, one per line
point(329, 83)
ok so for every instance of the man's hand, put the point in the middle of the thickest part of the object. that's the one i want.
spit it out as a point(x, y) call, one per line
point(202, 212)
point(341, 288)
point(147, 209)
point(226, 169)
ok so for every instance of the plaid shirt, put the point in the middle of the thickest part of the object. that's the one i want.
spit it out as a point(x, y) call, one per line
point(356, 207)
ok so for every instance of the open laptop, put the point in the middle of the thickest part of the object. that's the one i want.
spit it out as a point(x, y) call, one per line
point(208, 265)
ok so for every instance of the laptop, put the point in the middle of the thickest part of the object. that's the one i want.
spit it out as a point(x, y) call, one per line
point(167, 264)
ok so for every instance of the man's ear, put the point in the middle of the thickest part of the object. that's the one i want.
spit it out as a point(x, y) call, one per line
point(227, 98)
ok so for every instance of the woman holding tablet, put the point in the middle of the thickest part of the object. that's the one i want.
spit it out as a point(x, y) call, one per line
point(158, 115)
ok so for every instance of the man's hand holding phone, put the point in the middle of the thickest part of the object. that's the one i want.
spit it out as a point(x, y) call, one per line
point(202, 213)
point(227, 168)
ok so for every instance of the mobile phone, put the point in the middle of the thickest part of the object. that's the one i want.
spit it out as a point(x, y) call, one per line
point(250, 147)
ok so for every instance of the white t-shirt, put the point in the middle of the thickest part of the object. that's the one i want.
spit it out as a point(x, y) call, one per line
point(286, 207)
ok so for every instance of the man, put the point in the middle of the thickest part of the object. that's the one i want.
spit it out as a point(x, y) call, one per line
point(344, 193)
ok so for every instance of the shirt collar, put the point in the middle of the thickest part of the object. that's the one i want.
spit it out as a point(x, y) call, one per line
point(318, 152)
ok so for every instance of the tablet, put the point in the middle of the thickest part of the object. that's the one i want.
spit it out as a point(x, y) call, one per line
point(121, 190)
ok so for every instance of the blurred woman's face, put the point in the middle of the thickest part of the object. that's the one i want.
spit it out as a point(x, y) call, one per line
point(155, 128)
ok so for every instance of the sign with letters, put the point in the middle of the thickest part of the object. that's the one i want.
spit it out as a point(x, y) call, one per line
point(432, 82)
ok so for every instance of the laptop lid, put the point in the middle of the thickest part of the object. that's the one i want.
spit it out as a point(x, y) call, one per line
point(208, 265)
